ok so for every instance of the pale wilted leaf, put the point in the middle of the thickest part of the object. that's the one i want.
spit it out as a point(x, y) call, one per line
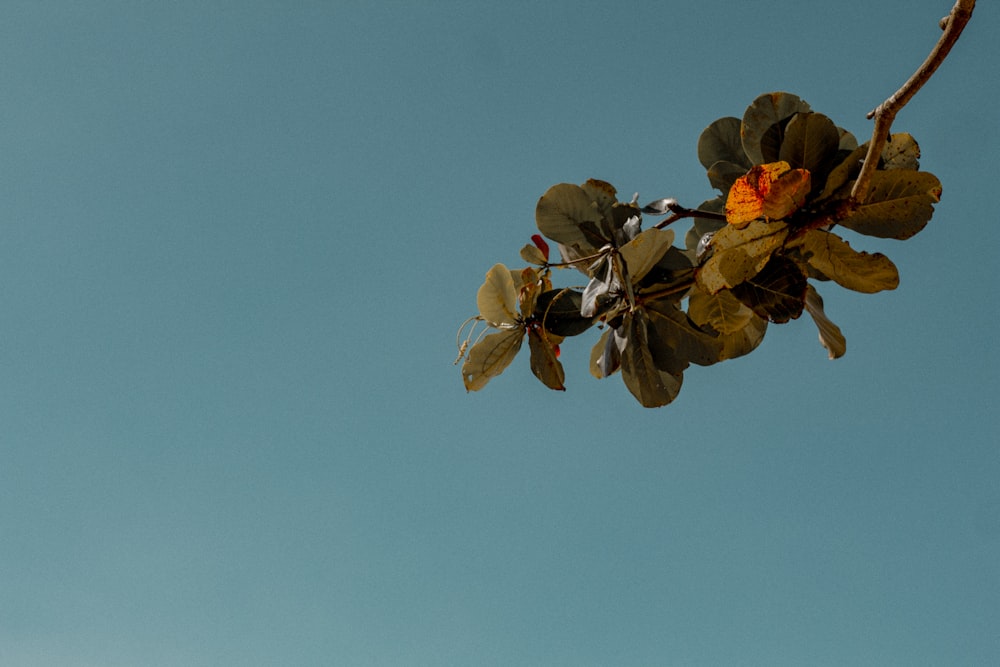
point(497, 298)
point(830, 336)
point(490, 356)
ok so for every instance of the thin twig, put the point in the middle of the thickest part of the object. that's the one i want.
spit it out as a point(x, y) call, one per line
point(885, 113)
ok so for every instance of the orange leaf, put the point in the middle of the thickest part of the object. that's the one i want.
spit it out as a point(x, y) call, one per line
point(771, 191)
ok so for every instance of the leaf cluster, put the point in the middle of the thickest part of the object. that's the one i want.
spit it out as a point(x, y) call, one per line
point(751, 256)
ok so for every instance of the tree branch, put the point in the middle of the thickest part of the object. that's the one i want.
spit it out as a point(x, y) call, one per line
point(885, 113)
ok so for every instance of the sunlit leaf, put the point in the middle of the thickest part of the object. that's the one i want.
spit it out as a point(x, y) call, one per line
point(739, 254)
point(834, 258)
point(721, 142)
point(532, 255)
point(660, 206)
point(722, 311)
point(490, 356)
point(777, 293)
point(544, 363)
point(901, 152)
point(497, 298)
point(769, 190)
point(645, 250)
point(811, 142)
point(767, 114)
point(651, 386)
point(830, 336)
point(899, 204)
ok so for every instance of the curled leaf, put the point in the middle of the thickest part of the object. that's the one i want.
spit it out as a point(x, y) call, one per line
point(830, 336)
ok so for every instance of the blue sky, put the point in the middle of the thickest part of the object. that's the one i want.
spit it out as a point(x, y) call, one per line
point(238, 238)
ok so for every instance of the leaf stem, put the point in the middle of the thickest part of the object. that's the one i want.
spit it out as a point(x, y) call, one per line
point(680, 213)
point(885, 113)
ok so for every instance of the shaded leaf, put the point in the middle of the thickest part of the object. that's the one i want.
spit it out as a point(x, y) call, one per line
point(651, 386)
point(702, 225)
point(544, 363)
point(811, 142)
point(846, 170)
point(497, 298)
point(568, 215)
point(490, 357)
point(722, 311)
point(597, 287)
point(744, 341)
point(605, 356)
point(559, 312)
point(834, 258)
point(676, 340)
point(830, 336)
point(723, 174)
point(721, 142)
point(739, 254)
point(777, 293)
point(899, 204)
point(767, 114)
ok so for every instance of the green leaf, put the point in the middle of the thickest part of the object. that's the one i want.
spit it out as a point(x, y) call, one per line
point(544, 363)
point(490, 356)
point(568, 215)
point(834, 258)
point(676, 340)
point(722, 311)
point(899, 205)
point(739, 254)
point(830, 336)
point(651, 386)
point(811, 142)
point(721, 142)
point(643, 252)
point(766, 115)
point(497, 298)
point(777, 293)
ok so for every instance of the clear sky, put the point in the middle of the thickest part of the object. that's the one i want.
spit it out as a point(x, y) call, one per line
point(238, 239)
